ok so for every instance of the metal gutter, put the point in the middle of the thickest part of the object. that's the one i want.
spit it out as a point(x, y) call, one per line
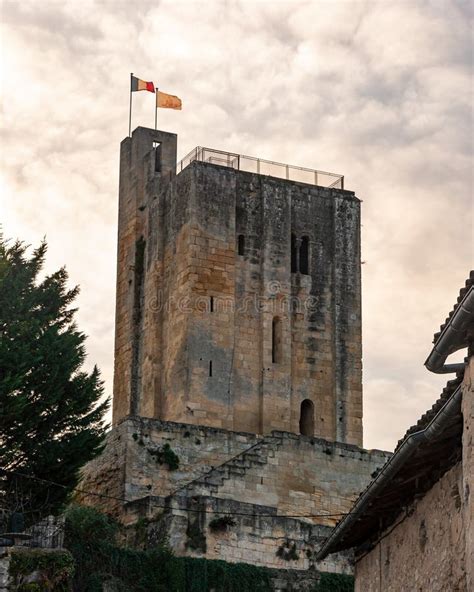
point(391, 467)
point(457, 324)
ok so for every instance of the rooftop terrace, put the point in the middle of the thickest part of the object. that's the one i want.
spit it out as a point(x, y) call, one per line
point(250, 164)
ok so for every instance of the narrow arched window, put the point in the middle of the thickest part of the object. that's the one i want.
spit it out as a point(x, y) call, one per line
point(294, 252)
point(304, 255)
point(307, 418)
point(241, 245)
point(276, 340)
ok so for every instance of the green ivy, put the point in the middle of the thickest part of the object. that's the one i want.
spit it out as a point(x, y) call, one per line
point(202, 575)
point(332, 582)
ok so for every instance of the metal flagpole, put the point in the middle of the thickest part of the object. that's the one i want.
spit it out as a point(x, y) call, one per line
point(156, 105)
point(130, 112)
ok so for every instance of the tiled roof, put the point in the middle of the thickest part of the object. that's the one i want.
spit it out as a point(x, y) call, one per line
point(462, 293)
point(425, 419)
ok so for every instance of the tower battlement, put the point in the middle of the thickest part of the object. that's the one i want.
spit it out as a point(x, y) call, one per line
point(238, 296)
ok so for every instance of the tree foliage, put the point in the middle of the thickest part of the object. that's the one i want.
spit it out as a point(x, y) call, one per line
point(51, 411)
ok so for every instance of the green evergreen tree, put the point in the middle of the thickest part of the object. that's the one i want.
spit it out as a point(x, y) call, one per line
point(51, 411)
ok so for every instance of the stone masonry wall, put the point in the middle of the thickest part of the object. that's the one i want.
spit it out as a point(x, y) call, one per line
point(296, 474)
point(194, 316)
point(424, 552)
point(127, 468)
point(255, 535)
point(467, 492)
point(275, 478)
point(138, 186)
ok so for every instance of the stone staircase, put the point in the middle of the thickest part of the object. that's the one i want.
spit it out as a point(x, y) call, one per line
point(210, 482)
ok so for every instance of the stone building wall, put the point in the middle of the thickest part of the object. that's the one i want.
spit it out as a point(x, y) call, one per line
point(255, 535)
point(426, 551)
point(298, 474)
point(467, 492)
point(128, 469)
point(195, 316)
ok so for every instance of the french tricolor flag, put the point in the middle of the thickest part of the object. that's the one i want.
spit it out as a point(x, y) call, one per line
point(137, 84)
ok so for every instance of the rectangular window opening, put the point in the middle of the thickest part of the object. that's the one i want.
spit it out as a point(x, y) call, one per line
point(157, 150)
point(276, 340)
point(294, 260)
point(304, 255)
point(241, 245)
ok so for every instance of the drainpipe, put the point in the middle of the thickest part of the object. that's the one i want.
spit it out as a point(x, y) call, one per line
point(392, 466)
point(457, 324)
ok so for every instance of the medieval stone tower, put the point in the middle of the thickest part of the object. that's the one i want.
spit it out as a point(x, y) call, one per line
point(237, 388)
point(238, 295)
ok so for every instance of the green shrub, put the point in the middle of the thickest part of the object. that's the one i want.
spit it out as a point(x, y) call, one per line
point(166, 455)
point(56, 569)
point(88, 525)
point(332, 582)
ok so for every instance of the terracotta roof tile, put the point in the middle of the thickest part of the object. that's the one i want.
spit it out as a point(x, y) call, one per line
point(462, 293)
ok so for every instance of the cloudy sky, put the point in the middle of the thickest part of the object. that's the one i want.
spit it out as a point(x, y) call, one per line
point(380, 91)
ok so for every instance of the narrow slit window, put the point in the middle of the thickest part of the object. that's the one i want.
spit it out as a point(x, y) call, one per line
point(304, 255)
point(241, 245)
point(211, 304)
point(157, 149)
point(294, 262)
point(210, 367)
point(276, 340)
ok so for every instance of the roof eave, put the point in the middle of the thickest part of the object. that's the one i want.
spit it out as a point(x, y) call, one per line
point(453, 337)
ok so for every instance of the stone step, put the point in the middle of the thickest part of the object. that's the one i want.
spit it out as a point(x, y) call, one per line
point(256, 459)
point(204, 489)
point(214, 481)
point(238, 466)
point(242, 463)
